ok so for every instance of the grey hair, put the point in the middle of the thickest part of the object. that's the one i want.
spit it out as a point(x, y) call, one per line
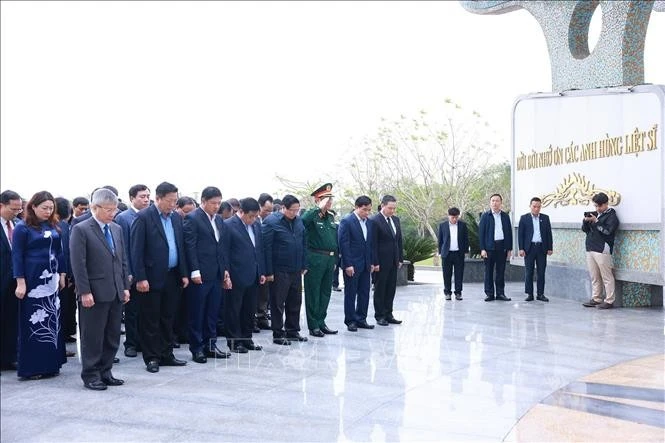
point(104, 196)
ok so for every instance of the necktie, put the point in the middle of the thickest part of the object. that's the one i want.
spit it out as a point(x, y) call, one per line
point(109, 239)
point(10, 230)
point(392, 227)
point(251, 234)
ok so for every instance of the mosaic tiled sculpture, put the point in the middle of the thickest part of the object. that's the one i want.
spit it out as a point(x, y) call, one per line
point(617, 59)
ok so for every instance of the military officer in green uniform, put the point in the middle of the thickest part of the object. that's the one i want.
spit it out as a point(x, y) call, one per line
point(322, 254)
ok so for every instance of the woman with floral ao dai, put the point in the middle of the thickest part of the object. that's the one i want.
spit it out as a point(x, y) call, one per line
point(39, 269)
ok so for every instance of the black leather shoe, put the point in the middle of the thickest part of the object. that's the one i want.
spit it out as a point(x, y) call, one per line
point(295, 336)
point(542, 298)
point(176, 345)
point(382, 322)
point(152, 366)
point(316, 333)
point(394, 321)
point(263, 324)
point(130, 351)
point(95, 385)
point(281, 341)
point(217, 353)
point(116, 360)
point(529, 298)
point(352, 327)
point(70, 339)
point(591, 304)
point(326, 330)
point(112, 381)
point(503, 298)
point(336, 289)
point(172, 361)
point(199, 357)
point(604, 305)
point(458, 297)
point(449, 297)
point(256, 329)
point(489, 298)
point(253, 346)
point(239, 349)
point(364, 325)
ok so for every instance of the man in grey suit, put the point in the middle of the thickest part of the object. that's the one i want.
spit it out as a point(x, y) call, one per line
point(99, 264)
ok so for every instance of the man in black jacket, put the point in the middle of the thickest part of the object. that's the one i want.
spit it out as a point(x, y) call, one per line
point(453, 244)
point(534, 237)
point(600, 228)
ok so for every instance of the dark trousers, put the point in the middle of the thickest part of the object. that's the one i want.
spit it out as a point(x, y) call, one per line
point(239, 309)
point(384, 291)
point(221, 319)
point(286, 299)
point(356, 296)
point(495, 261)
point(68, 310)
point(180, 321)
point(132, 319)
point(203, 308)
point(156, 312)
point(453, 263)
point(8, 324)
point(335, 281)
point(537, 256)
point(262, 301)
point(100, 338)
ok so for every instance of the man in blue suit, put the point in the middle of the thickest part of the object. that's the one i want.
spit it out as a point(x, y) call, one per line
point(10, 207)
point(355, 246)
point(206, 241)
point(247, 271)
point(160, 267)
point(534, 237)
point(495, 236)
point(453, 244)
point(139, 198)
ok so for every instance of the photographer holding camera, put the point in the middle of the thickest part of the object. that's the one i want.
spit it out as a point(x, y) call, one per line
point(600, 227)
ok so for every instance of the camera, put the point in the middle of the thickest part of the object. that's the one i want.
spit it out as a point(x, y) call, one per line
point(590, 213)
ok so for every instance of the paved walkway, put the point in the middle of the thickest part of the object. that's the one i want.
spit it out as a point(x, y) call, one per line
point(465, 370)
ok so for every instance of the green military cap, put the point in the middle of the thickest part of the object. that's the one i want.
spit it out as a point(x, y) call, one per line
point(323, 191)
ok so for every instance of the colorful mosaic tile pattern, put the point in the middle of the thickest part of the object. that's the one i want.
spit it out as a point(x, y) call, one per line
point(633, 250)
point(636, 295)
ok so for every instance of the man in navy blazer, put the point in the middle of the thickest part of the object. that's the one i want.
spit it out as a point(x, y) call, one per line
point(247, 271)
point(355, 247)
point(453, 244)
point(495, 235)
point(388, 257)
point(160, 268)
point(206, 241)
point(139, 198)
point(10, 207)
point(534, 237)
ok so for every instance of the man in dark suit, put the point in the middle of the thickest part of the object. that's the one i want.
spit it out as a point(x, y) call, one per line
point(495, 235)
point(139, 198)
point(355, 246)
point(206, 242)
point(261, 321)
point(388, 257)
point(453, 244)
point(534, 237)
point(286, 262)
point(247, 271)
point(160, 268)
point(10, 207)
point(99, 264)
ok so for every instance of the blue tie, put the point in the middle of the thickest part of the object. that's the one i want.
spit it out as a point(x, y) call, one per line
point(109, 239)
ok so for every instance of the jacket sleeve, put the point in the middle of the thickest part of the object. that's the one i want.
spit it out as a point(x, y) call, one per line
point(482, 231)
point(375, 245)
point(268, 231)
point(344, 242)
point(137, 247)
point(78, 255)
point(507, 232)
point(608, 225)
point(19, 245)
point(440, 238)
point(191, 240)
point(521, 232)
point(400, 243)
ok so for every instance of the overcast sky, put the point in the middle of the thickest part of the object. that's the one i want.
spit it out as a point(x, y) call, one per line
point(230, 94)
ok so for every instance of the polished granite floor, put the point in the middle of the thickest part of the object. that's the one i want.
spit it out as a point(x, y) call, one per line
point(454, 370)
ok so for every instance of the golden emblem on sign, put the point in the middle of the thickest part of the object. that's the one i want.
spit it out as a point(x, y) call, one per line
point(577, 190)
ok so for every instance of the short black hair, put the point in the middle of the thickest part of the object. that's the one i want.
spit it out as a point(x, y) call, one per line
point(234, 202)
point(165, 188)
point(184, 201)
point(62, 208)
point(535, 199)
point(210, 192)
point(225, 206)
point(136, 189)
point(387, 199)
point(9, 195)
point(249, 205)
point(289, 200)
point(122, 206)
point(453, 211)
point(78, 201)
point(496, 195)
point(263, 198)
point(363, 200)
point(111, 188)
point(600, 199)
